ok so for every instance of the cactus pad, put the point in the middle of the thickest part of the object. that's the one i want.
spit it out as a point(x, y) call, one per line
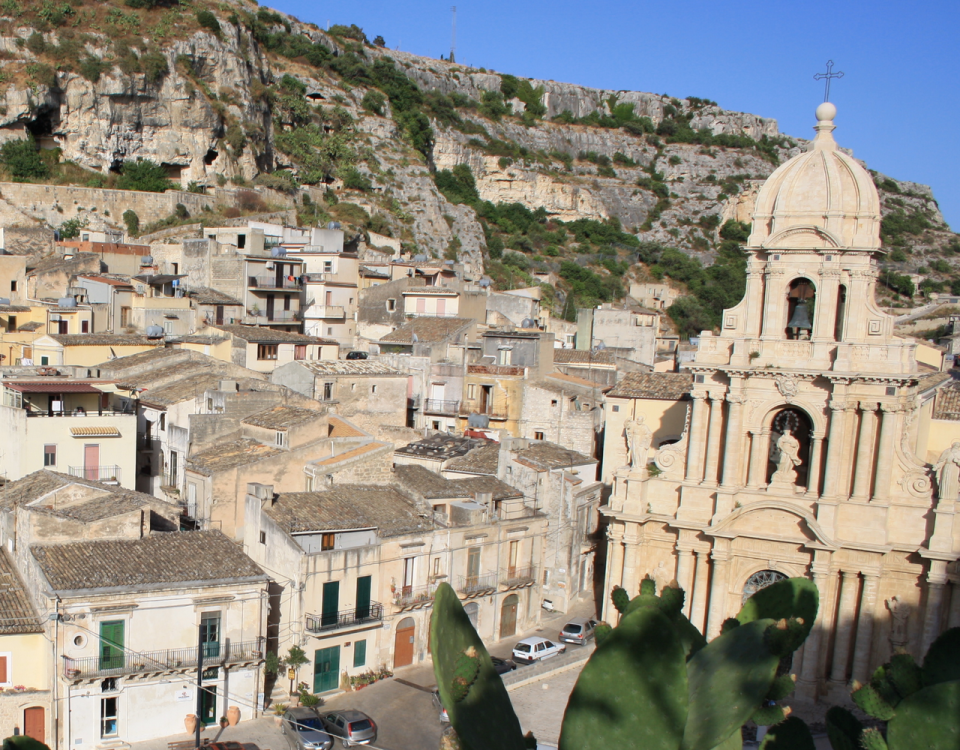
point(484, 716)
point(465, 673)
point(786, 636)
point(620, 599)
point(601, 632)
point(728, 680)
point(871, 739)
point(633, 690)
point(790, 734)
point(671, 600)
point(648, 586)
point(872, 703)
point(942, 662)
point(729, 624)
point(928, 720)
point(905, 675)
point(843, 729)
point(766, 716)
point(791, 597)
point(783, 686)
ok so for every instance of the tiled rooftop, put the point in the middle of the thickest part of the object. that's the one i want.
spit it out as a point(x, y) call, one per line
point(347, 507)
point(352, 367)
point(16, 612)
point(546, 455)
point(257, 334)
point(176, 558)
point(428, 484)
point(427, 330)
point(104, 339)
point(282, 417)
point(203, 295)
point(230, 455)
point(499, 489)
point(481, 460)
point(671, 386)
point(948, 404)
point(439, 446)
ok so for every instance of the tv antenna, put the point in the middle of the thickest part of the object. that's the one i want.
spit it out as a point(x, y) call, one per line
point(453, 36)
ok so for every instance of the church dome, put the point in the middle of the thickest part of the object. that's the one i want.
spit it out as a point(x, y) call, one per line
point(822, 198)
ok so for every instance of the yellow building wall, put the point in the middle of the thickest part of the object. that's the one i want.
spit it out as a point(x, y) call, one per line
point(221, 351)
point(940, 435)
point(29, 660)
point(929, 355)
point(665, 418)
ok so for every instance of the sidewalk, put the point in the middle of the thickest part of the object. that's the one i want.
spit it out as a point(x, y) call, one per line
point(262, 732)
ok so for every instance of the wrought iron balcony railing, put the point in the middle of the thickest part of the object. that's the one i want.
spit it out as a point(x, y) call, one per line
point(116, 663)
point(272, 282)
point(347, 618)
point(472, 585)
point(514, 577)
point(414, 596)
point(96, 473)
point(440, 406)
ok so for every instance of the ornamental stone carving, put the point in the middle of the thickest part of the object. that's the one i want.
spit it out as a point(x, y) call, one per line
point(787, 386)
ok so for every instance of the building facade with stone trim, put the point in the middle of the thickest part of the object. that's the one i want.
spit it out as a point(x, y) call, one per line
point(799, 456)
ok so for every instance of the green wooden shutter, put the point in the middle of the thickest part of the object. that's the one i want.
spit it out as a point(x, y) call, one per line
point(359, 653)
point(111, 644)
point(331, 603)
point(363, 597)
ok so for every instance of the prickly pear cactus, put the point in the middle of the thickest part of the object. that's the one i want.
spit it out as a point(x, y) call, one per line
point(927, 720)
point(790, 734)
point(792, 597)
point(942, 662)
point(470, 688)
point(621, 599)
point(843, 729)
point(633, 691)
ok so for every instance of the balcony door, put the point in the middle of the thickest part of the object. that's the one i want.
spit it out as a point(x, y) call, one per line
point(486, 398)
point(331, 604)
point(512, 560)
point(270, 306)
point(111, 644)
point(91, 461)
point(326, 669)
point(219, 315)
point(363, 597)
point(210, 634)
point(473, 566)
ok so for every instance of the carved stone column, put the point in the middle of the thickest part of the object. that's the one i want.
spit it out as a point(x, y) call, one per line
point(759, 458)
point(685, 563)
point(888, 434)
point(936, 582)
point(953, 620)
point(718, 593)
point(695, 449)
point(844, 625)
point(865, 445)
point(775, 294)
point(734, 442)
point(714, 438)
point(614, 571)
point(808, 678)
point(813, 471)
point(630, 544)
point(831, 477)
point(698, 607)
point(868, 615)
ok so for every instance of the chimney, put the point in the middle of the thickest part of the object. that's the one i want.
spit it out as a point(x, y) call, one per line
point(262, 492)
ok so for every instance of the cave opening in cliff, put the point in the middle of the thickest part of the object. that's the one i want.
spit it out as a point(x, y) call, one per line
point(43, 126)
point(211, 157)
point(116, 166)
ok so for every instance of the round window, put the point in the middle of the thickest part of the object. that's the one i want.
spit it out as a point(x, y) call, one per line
point(759, 581)
point(79, 640)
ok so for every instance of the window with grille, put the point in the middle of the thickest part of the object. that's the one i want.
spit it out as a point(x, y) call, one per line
point(266, 351)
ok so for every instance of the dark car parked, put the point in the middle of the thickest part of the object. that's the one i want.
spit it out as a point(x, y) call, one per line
point(503, 665)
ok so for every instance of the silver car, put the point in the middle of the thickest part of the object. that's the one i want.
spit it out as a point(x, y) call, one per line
point(352, 727)
point(579, 630)
point(304, 729)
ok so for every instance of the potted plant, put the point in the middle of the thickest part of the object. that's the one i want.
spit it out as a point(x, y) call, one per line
point(279, 709)
point(223, 722)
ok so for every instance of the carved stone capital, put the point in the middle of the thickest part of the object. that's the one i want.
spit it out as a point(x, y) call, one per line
point(868, 406)
point(736, 398)
point(891, 408)
point(698, 395)
point(837, 406)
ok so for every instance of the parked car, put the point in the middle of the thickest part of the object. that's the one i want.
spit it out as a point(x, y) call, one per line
point(530, 650)
point(352, 727)
point(304, 730)
point(357, 355)
point(579, 630)
point(503, 665)
point(444, 717)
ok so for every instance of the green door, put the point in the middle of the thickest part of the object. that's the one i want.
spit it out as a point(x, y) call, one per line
point(208, 705)
point(111, 644)
point(210, 634)
point(363, 597)
point(331, 604)
point(326, 669)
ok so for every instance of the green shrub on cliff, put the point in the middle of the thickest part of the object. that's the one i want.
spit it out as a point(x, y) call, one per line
point(144, 175)
point(22, 160)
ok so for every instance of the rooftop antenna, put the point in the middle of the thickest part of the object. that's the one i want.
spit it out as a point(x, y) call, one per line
point(453, 36)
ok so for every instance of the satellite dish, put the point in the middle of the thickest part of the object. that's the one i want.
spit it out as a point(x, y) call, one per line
point(528, 323)
point(600, 346)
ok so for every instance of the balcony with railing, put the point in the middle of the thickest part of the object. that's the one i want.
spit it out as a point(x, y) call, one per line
point(148, 444)
point(326, 312)
point(440, 406)
point(77, 411)
point(272, 282)
point(516, 578)
point(262, 318)
point(414, 597)
point(116, 663)
point(97, 473)
point(476, 407)
point(347, 618)
point(476, 585)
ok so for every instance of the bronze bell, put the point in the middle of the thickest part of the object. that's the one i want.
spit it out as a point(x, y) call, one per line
point(801, 318)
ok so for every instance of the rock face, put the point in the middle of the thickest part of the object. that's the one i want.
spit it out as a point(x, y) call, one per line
point(207, 119)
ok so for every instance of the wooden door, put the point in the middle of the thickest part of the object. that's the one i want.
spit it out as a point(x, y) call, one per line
point(363, 597)
point(403, 647)
point(326, 669)
point(512, 560)
point(91, 461)
point(270, 304)
point(508, 616)
point(33, 723)
point(331, 603)
point(111, 644)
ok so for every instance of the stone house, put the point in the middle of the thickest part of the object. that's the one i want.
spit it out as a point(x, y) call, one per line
point(441, 339)
point(600, 367)
point(331, 292)
point(49, 277)
point(111, 298)
point(654, 296)
point(89, 349)
point(513, 307)
point(264, 349)
point(562, 409)
point(13, 277)
point(213, 307)
point(436, 451)
point(366, 392)
point(806, 449)
point(380, 308)
point(443, 302)
point(629, 330)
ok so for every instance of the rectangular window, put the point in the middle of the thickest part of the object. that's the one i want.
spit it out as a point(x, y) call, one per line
point(327, 542)
point(538, 435)
point(471, 391)
point(308, 485)
point(49, 455)
point(281, 438)
point(328, 266)
point(473, 562)
point(391, 305)
point(84, 326)
point(359, 653)
point(5, 671)
point(408, 565)
point(373, 389)
point(210, 634)
point(13, 286)
point(616, 407)
point(108, 717)
point(327, 391)
point(266, 351)
point(263, 537)
point(300, 351)
point(436, 562)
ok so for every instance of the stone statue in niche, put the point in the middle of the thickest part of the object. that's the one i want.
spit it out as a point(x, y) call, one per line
point(948, 473)
point(899, 614)
point(639, 439)
point(789, 448)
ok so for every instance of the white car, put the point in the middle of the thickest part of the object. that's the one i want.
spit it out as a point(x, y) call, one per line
point(530, 650)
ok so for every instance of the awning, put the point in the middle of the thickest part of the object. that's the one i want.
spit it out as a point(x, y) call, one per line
point(52, 387)
point(95, 432)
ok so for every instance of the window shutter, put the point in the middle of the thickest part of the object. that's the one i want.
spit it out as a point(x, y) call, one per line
point(4, 677)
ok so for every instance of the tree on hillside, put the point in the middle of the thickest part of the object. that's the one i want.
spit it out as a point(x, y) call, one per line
point(144, 175)
point(22, 160)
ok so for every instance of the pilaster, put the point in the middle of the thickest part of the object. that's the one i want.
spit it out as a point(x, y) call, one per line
point(718, 592)
point(936, 582)
point(697, 425)
point(868, 615)
point(865, 446)
point(701, 590)
point(888, 432)
point(714, 439)
point(732, 466)
point(831, 480)
point(844, 627)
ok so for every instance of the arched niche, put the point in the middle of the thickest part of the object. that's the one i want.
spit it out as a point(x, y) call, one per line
point(800, 425)
point(801, 307)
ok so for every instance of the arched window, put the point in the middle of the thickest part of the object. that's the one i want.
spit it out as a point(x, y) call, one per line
point(841, 313)
point(760, 580)
point(801, 302)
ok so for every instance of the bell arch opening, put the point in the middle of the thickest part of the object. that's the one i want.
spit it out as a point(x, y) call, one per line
point(791, 442)
point(760, 580)
point(801, 303)
point(841, 313)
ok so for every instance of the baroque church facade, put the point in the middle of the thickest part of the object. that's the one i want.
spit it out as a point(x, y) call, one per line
point(798, 456)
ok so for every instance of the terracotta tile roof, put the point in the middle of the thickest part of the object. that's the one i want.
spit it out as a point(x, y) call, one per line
point(948, 404)
point(104, 339)
point(340, 428)
point(192, 386)
point(933, 380)
point(428, 484)
point(351, 367)
point(177, 558)
point(428, 330)
point(439, 446)
point(346, 456)
point(230, 455)
point(94, 432)
point(500, 490)
point(258, 334)
point(111, 280)
point(16, 612)
point(13, 309)
point(481, 460)
point(345, 507)
point(282, 417)
point(142, 358)
point(204, 295)
point(544, 455)
point(33, 325)
point(671, 386)
point(53, 386)
point(583, 356)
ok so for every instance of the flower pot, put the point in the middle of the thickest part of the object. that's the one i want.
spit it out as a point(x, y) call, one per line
point(190, 722)
point(233, 716)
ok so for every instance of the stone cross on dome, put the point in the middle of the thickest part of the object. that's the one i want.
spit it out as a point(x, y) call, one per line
point(828, 75)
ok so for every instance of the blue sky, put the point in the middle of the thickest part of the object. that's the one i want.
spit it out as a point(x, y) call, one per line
point(898, 102)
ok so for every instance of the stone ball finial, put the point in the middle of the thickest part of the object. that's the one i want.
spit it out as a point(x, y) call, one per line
point(826, 111)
